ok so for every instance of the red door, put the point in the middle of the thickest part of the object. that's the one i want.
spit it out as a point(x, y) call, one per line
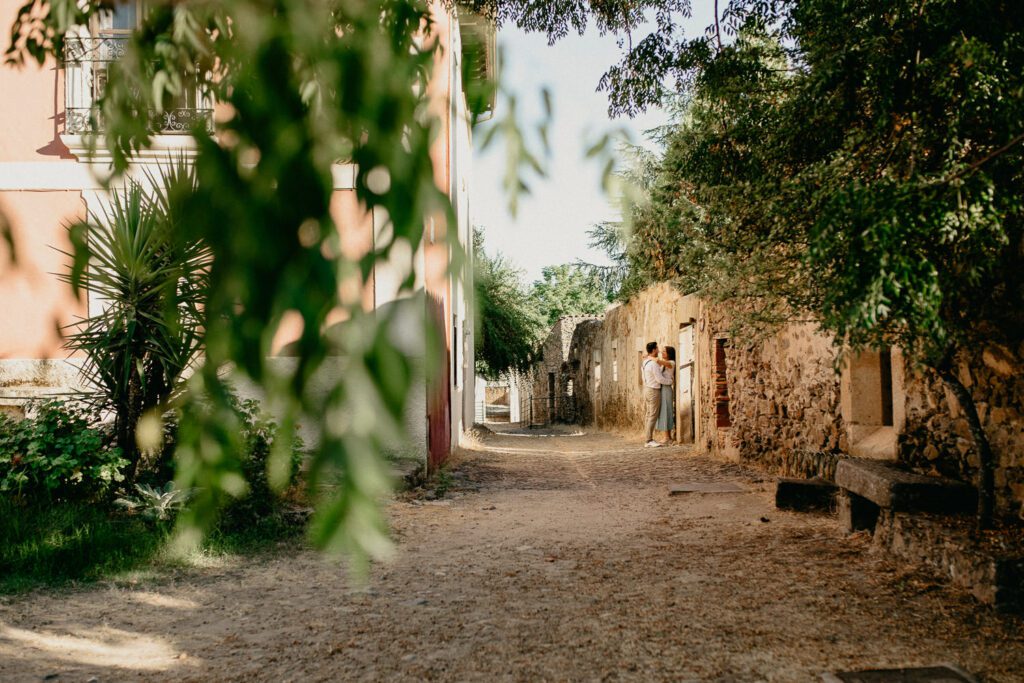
point(438, 390)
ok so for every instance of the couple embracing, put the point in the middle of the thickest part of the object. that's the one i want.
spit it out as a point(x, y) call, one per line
point(658, 372)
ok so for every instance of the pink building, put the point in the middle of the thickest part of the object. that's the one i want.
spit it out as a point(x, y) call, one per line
point(48, 178)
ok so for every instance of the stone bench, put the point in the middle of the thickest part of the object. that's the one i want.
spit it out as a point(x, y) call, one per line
point(871, 485)
point(805, 495)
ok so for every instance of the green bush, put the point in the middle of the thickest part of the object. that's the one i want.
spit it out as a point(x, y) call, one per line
point(58, 454)
point(259, 434)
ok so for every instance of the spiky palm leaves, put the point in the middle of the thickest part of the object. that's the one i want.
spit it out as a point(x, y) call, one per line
point(147, 288)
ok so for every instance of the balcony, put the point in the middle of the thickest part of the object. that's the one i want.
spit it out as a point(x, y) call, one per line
point(86, 64)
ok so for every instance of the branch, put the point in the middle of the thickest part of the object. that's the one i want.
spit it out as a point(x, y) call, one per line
point(967, 170)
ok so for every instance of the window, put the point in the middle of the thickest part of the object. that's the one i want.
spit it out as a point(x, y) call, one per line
point(722, 418)
point(871, 390)
point(456, 354)
point(88, 54)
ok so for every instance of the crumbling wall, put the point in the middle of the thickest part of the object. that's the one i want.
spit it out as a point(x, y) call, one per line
point(937, 437)
point(585, 368)
point(616, 401)
point(539, 403)
point(785, 394)
point(786, 407)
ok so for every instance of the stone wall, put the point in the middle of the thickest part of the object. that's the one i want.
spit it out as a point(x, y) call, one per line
point(937, 439)
point(605, 356)
point(546, 401)
point(789, 409)
point(785, 403)
point(582, 368)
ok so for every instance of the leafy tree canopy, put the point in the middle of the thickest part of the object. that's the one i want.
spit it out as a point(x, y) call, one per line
point(568, 289)
point(858, 164)
point(508, 324)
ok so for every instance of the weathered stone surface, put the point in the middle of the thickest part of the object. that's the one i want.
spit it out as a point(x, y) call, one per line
point(705, 487)
point(805, 494)
point(785, 396)
point(994, 575)
point(937, 438)
point(889, 487)
point(946, 673)
point(856, 513)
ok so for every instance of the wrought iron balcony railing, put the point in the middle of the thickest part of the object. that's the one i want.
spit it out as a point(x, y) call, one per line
point(86, 64)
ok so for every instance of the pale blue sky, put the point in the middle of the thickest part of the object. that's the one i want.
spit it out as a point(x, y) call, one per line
point(551, 223)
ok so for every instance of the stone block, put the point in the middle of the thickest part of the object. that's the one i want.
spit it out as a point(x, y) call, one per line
point(805, 494)
point(887, 486)
point(856, 513)
point(992, 572)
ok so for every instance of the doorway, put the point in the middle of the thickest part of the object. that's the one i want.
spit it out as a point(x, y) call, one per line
point(685, 399)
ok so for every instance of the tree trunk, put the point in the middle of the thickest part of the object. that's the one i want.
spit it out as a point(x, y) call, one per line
point(127, 422)
point(986, 461)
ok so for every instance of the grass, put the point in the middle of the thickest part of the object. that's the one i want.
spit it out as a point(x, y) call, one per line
point(56, 545)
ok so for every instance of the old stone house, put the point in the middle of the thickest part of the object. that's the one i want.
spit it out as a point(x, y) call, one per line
point(781, 402)
point(547, 393)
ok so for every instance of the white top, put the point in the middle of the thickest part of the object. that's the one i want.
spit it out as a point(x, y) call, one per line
point(667, 373)
point(654, 376)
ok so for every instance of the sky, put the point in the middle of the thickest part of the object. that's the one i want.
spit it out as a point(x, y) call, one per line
point(551, 222)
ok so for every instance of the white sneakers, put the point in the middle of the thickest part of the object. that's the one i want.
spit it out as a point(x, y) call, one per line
point(652, 444)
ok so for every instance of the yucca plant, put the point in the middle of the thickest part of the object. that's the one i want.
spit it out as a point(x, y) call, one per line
point(150, 284)
point(156, 503)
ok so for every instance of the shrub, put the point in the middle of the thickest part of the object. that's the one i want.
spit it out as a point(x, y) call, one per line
point(58, 454)
point(139, 345)
point(259, 435)
point(157, 504)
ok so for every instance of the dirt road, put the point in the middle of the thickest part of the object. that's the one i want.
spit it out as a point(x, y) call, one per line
point(559, 558)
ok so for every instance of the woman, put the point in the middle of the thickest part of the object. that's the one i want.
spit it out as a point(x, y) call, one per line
point(667, 417)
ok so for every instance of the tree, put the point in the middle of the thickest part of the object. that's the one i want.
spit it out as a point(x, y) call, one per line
point(568, 290)
point(508, 324)
point(858, 164)
point(634, 182)
point(148, 333)
point(301, 86)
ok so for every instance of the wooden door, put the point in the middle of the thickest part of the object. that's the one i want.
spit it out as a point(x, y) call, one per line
point(685, 400)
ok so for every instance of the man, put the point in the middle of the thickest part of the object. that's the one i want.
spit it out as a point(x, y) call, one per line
point(653, 379)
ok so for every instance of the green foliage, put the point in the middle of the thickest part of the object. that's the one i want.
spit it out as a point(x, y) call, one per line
point(634, 180)
point(57, 455)
point(149, 330)
point(442, 482)
point(44, 544)
point(259, 435)
point(302, 86)
point(858, 164)
point(568, 289)
point(508, 325)
point(156, 504)
point(53, 545)
point(797, 185)
point(650, 62)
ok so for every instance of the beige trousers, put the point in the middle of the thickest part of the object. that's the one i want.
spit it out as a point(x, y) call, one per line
point(652, 402)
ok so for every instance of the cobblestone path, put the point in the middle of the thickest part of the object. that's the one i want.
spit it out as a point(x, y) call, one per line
point(557, 558)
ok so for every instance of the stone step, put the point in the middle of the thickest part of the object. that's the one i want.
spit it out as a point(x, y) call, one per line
point(887, 486)
point(945, 673)
point(803, 495)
